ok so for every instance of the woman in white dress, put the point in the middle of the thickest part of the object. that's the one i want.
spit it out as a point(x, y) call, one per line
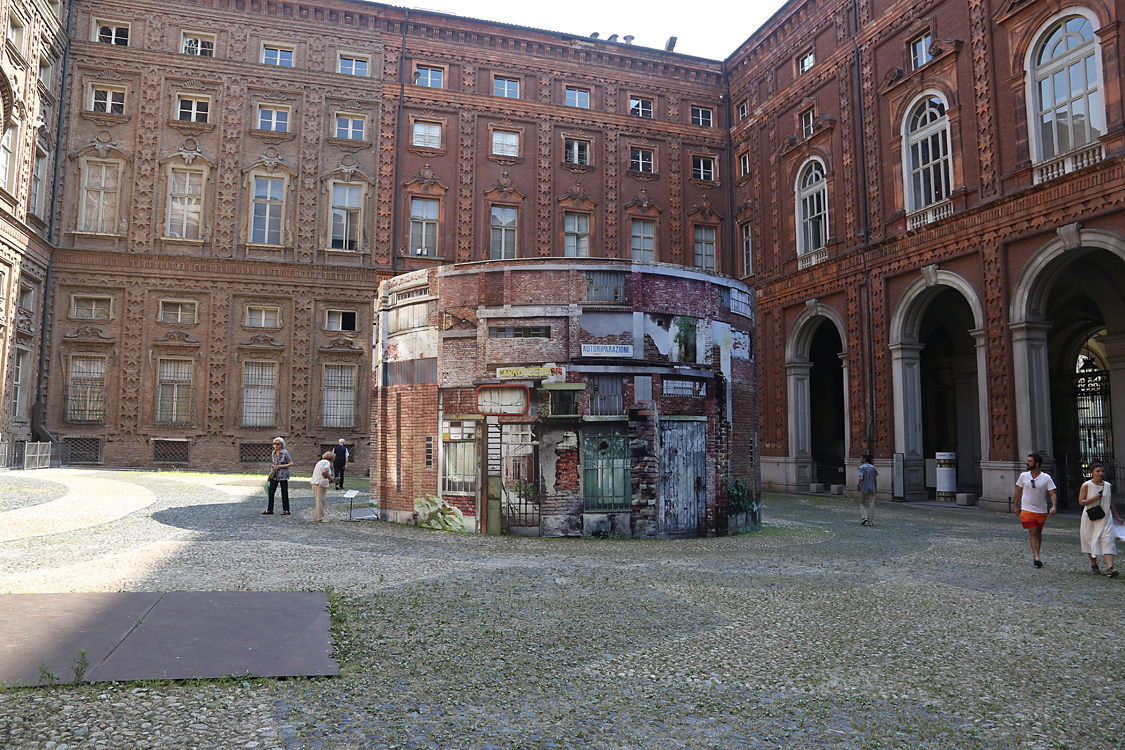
point(1098, 535)
point(321, 476)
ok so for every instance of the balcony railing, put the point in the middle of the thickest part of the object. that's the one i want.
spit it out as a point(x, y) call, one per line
point(929, 214)
point(1069, 162)
point(811, 259)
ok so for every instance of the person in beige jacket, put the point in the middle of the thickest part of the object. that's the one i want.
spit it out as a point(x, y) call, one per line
point(321, 476)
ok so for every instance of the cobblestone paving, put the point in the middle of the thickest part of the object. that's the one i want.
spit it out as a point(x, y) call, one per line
point(930, 630)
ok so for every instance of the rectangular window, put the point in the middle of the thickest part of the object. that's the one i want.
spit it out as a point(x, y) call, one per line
point(7, 161)
point(565, 403)
point(15, 31)
point(683, 387)
point(743, 110)
point(640, 107)
point(702, 116)
point(259, 394)
point(703, 168)
point(38, 167)
point(21, 373)
point(429, 451)
point(272, 55)
point(740, 302)
point(173, 392)
point(641, 160)
point(643, 239)
point(171, 451)
point(409, 316)
point(263, 317)
point(744, 163)
point(423, 226)
point(433, 78)
point(345, 216)
point(605, 395)
point(805, 62)
point(808, 120)
point(26, 298)
point(45, 71)
point(705, 247)
point(506, 87)
point(99, 197)
point(427, 134)
point(177, 312)
point(113, 33)
point(92, 308)
point(185, 205)
point(200, 45)
point(502, 244)
point(459, 457)
point(920, 50)
point(576, 235)
point(110, 101)
point(411, 372)
point(341, 320)
point(747, 249)
point(85, 391)
point(505, 143)
point(606, 484)
point(577, 152)
point(605, 287)
point(352, 66)
point(339, 396)
point(519, 332)
point(577, 97)
point(275, 119)
point(351, 127)
point(265, 227)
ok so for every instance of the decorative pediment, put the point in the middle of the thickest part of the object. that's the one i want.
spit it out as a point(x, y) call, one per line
point(705, 210)
point(276, 96)
point(110, 75)
point(25, 325)
point(196, 85)
point(577, 197)
point(188, 154)
point(103, 144)
point(348, 171)
point(743, 209)
point(643, 203)
point(940, 49)
point(427, 182)
point(1011, 8)
point(505, 189)
point(88, 333)
point(262, 341)
point(176, 339)
point(271, 163)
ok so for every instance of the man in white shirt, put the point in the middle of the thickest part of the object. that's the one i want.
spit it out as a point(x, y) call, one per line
point(1030, 502)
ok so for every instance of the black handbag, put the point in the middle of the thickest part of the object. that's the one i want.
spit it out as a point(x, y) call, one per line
point(1095, 512)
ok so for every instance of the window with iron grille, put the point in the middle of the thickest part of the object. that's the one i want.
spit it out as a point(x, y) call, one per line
point(255, 453)
point(605, 467)
point(411, 372)
point(605, 395)
point(86, 392)
point(339, 396)
point(170, 451)
point(259, 394)
point(607, 287)
point(565, 403)
point(740, 302)
point(459, 457)
point(173, 392)
point(84, 450)
point(519, 332)
point(683, 387)
point(429, 451)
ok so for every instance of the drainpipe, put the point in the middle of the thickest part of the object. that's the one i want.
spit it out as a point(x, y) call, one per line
point(731, 224)
point(398, 144)
point(866, 235)
point(38, 410)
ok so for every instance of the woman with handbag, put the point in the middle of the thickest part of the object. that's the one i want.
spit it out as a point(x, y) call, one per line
point(279, 475)
point(321, 476)
point(1098, 517)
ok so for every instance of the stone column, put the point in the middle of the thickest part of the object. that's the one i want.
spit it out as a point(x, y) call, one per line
point(907, 383)
point(1114, 345)
point(1033, 389)
point(800, 439)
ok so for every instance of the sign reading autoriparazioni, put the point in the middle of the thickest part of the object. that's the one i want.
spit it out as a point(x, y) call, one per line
point(607, 350)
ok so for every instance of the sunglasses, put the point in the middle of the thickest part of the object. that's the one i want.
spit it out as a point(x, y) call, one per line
point(1032, 479)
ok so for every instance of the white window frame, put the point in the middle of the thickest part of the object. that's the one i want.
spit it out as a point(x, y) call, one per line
point(9, 146)
point(353, 58)
point(339, 392)
point(744, 163)
point(428, 75)
point(808, 120)
point(459, 464)
point(641, 106)
point(576, 234)
point(272, 204)
point(638, 162)
point(26, 298)
point(262, 312)
point(703, 117)
point(506, 92)
point(82, 302)
point(350, 131)
point(806, 61)
point(425, 234)
point(920, 50)
point(346, 235)
point(16, 31)
point(262, 417)
point(334, 320)
point(109, 103)
point(274, 110)
point(116, 27)
point(503, 230)
point(918, 172)
point(811, 206)
point(179, 312)
point(704, 168)
point(187, 206)
point(38, 168)
point(21, 372)
point(174, 391)
point(46, 71)
point(276, 50)
point(705, 239)
point(194, 110)
point(572, 151)
point(505, 143)
point(638, 239)
point(200, 42)
point(746, 234)
point(576, 96)
point(103, 223)
point(743, 110)
point(426, 134)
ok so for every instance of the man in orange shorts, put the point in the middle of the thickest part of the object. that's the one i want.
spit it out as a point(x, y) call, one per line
point(1030, 502)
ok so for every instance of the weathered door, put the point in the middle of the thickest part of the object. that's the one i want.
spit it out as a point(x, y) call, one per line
point(682, 503)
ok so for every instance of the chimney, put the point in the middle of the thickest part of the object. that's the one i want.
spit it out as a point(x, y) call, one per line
point(594, 35)
point(670, 44)
point(628, 38)
point(612, 38)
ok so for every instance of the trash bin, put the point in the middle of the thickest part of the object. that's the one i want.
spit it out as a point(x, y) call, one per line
point(946, 477)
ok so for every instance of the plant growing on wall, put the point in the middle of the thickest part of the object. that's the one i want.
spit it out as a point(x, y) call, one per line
point(685, 338)
point(436, 513)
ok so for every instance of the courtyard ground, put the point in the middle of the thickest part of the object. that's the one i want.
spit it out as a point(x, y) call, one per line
point(930, 630)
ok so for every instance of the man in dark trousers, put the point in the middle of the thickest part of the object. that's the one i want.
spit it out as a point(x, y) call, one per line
point(339, 461)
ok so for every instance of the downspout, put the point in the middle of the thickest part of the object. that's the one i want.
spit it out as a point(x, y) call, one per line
point(731, 226)
point(398, 144)
point(866, 235)
point(37, 411)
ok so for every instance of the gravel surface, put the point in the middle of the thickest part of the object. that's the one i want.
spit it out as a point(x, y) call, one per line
point(930, 630)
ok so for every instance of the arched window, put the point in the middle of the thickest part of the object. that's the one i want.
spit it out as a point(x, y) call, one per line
point(929, 173)
point(812, 208)
point(1067, 79)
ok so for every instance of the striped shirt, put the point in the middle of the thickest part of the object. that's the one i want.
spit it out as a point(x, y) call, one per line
point(867, 474)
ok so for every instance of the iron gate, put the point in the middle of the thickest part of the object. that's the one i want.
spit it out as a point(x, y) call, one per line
point(519, 480)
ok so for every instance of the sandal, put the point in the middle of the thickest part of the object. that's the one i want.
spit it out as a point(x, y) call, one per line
point(267, 512)
point(284, 512)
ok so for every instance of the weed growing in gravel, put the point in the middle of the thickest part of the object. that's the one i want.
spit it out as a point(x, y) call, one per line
point(45, 673)
point(81, 664)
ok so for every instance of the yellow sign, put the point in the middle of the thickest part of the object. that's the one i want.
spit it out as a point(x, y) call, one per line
point(527, 373)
